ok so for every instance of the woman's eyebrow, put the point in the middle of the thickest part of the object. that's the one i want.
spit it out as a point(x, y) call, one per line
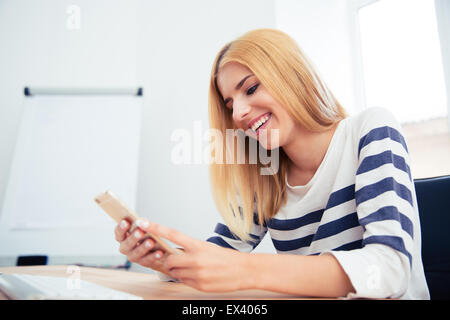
point(238, 86)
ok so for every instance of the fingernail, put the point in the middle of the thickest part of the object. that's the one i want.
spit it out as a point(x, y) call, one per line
point(148, 244)
point(157, 256)
point(123, 224)
point(137, 234)
point(142, 223)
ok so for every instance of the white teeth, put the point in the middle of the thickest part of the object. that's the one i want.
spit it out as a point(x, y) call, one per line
point(258, 123)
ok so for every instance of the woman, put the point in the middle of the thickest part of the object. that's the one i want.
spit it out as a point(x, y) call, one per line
point(340, 208)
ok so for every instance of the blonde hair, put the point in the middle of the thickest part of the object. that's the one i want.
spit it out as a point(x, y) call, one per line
point(281, 67)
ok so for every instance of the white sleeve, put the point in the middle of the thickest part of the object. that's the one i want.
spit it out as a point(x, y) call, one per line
point(387, 210)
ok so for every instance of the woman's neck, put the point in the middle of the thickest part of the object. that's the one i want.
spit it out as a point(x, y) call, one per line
point(306, 151)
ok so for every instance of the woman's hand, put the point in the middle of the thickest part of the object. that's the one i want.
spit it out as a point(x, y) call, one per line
point(140, 250)
point(203, 265)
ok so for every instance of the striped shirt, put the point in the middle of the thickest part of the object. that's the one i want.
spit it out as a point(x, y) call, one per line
point(360, 206)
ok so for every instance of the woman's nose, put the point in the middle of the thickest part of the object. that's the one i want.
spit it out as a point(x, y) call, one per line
point(240, 111)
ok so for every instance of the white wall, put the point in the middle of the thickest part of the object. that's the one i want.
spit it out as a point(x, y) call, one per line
point(326, 31)
point(443, 21)
point(36, 49)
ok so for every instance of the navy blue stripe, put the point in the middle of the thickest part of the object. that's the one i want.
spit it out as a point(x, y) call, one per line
point(340, 196)
point(380, 134)
point(223, 230)
point(336, 198)
point(219, 241)
point(256, 243)
point(287, 245)
point(390, 213)
point(350, 246)
point(256, 220)
point(337, 226)
point(388, 184)
point(345, 247)
point(375, 161)
point(394, 242)
point(254, 236)
point(292, 224)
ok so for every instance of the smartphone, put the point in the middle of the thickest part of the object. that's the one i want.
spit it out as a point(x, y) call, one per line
point(111, 204)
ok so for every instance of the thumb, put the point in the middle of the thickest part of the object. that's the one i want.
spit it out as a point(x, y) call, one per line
point(170, 234)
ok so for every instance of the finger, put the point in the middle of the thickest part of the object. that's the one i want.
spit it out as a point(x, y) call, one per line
point(144, 224)
point(171, 234)
point(155, 245)
point(190, 282)
point(141, 250)
point(183, 273)
point(121, 230)
point(130, 242)
point(181, 260)
point(154, 259)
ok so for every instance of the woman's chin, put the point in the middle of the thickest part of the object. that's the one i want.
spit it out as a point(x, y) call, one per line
point(269, 141)
point(269, 146)
point(264, 139)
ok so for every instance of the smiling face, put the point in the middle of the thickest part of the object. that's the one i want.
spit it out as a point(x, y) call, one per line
point(252, 107)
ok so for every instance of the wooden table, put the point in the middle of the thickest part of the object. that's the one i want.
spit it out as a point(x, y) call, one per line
point(148, 286)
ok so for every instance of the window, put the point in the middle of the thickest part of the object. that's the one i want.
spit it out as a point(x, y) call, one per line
point(403, 72)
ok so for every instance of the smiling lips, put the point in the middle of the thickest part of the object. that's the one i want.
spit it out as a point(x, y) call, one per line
point(259, 122)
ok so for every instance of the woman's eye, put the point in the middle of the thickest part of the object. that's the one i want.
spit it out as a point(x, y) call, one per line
point(252, 89)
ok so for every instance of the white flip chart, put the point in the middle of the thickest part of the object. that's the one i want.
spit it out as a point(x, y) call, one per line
point(69, 149)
